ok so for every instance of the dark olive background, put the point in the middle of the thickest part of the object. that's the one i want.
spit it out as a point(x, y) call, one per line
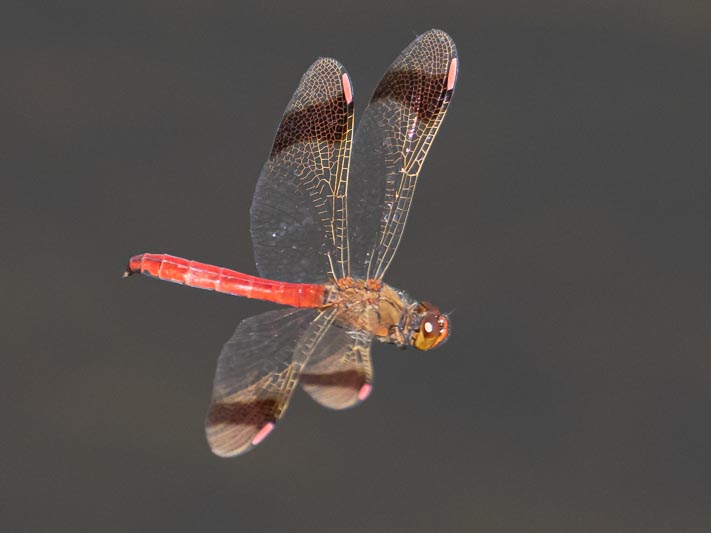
point(563, 214)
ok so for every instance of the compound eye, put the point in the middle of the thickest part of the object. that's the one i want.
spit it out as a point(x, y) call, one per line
point(430, 326)
point(434, 329)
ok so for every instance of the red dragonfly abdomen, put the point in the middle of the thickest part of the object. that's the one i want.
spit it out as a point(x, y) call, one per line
point(213, 278)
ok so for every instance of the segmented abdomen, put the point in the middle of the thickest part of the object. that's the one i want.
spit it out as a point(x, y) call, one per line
point(213, 278)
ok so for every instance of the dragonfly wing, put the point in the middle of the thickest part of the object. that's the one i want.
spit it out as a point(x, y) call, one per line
point(257, 372)
point(298, 214)
point(340, 374)
point(390, 146)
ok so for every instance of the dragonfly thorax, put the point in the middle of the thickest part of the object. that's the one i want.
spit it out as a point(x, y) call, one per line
point(390, 315)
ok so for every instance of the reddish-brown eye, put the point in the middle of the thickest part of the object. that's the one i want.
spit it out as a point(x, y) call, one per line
point(430, 326)
point(433, 330)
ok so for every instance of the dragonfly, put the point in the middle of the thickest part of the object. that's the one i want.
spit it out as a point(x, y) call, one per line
point(326, 219)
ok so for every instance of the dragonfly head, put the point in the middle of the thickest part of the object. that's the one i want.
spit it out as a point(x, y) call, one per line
point(432, 327)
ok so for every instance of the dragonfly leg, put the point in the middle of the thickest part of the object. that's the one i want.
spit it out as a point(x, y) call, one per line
point(396, 335)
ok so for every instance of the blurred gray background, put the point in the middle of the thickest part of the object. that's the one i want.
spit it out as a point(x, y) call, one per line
point(563, 214)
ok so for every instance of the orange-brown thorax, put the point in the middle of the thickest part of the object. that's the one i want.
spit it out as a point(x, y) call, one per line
point(388, 314)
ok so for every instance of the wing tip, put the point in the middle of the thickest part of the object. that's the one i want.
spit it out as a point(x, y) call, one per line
point(347, 87)
point(452, 73)
point(365, 391)
point(263, 433)
point(330, 61)
point(226, 444)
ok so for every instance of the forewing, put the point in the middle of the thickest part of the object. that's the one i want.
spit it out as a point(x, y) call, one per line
point(390, 146)
point(257, 372)
point(298, 214)
point(339, 374)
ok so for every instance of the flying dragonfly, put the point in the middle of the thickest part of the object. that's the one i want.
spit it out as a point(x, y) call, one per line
point(326, 222)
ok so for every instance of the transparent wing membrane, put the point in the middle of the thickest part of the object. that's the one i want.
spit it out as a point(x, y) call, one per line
point(256, 374)
point(391, 142)
point(298, 214)
point(339, 374)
